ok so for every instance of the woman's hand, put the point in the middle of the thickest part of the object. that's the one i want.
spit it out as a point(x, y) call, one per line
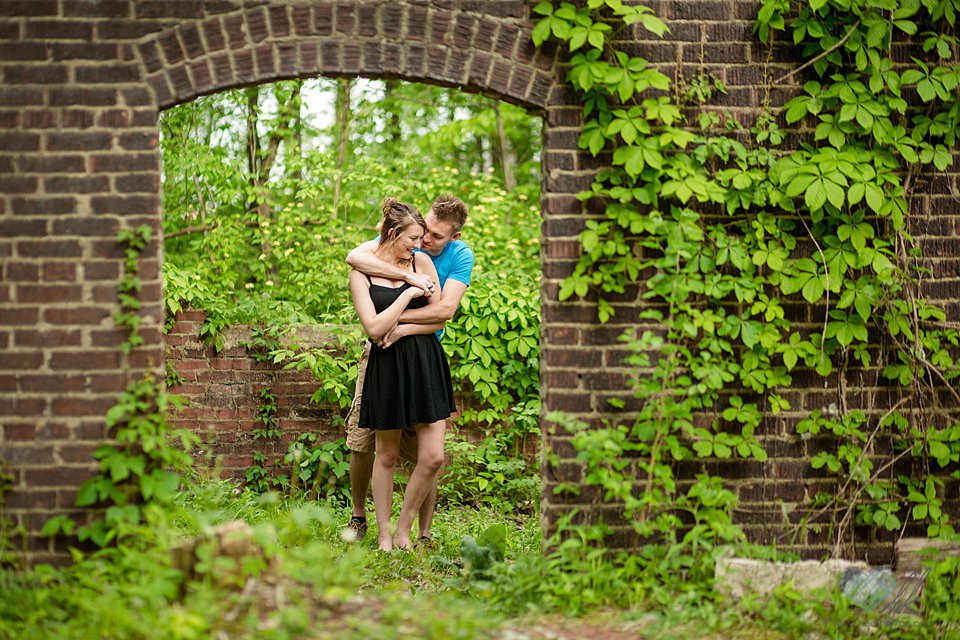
point(415, 292)
point(422, 282)
point(393, 336)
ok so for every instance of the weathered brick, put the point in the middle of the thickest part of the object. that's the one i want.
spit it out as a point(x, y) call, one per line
point(19, 141)
point(59, 272)
point(71, 141)
point(138, 183)
point(107, 74)
point(78, 119)
point(58, 30)
point(20, 96)
point(279, 22)
point(14, 228)
point(123, 29)
point(85, 184)
point(85, 51)
point(213, 34)
point(29, 50)
point(33, 74)
point(43, 206)
point(167, 9)
point(234, 29)
point(87, 96)
point(124, 204)
point(48, 163)
point(257, 25)
point(18, 184)
point(96, 8)
point(32, 8)
point(116, 163)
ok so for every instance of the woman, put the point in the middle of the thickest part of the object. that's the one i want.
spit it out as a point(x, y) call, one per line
point(407, 382)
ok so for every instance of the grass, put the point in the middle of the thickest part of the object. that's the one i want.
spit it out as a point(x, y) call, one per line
point(299, 578)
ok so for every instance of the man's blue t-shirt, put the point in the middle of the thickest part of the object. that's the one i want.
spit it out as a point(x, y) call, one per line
point(455, 261)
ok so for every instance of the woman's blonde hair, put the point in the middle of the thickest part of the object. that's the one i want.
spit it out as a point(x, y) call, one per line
point(397, 216)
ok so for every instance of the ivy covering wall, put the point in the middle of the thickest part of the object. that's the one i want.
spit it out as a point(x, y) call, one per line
point(772, 250)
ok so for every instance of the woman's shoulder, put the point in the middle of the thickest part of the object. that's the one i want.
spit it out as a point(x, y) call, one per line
point(421, 259)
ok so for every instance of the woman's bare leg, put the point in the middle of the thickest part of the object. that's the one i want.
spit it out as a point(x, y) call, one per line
point(429, 461)
point(388, 446)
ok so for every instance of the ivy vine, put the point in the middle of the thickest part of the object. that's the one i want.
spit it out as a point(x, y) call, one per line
point(145, 464)
point(734, 239)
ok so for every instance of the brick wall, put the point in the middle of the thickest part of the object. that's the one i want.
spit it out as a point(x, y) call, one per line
point(81, 84)
point(222, 389)
point(222, 392)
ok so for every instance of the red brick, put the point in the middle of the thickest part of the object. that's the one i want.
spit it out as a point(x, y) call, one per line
point(19, 431)
point(30, 74)
point(58, 30)
point(86, 360)
point(84, 184)
point(75, 315)
point(62, 476)
point(39, 119)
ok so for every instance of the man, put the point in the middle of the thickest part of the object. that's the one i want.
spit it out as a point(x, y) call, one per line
point(454, 262)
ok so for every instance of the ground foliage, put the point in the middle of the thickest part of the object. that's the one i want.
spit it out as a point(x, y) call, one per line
point(741, 233)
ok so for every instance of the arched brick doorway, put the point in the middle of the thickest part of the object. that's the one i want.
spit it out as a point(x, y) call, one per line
point(85, 107)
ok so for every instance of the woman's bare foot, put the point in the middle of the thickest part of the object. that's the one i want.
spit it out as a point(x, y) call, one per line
point(400, 542)
point(385, 543)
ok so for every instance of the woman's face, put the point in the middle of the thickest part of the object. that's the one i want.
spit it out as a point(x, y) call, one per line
point(408, 239)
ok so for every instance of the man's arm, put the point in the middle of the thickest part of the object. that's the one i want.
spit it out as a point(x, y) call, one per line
point(442, 311)
point(362, 259)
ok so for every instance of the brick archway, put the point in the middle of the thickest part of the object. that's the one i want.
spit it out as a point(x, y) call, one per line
point(398, 40)
point(84, 84)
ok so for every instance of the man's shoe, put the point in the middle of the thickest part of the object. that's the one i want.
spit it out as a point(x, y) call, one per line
point(359, 527)
point(426, 542)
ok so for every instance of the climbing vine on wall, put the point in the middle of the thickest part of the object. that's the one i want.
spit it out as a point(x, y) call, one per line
point(147, 461)
point(758, 261)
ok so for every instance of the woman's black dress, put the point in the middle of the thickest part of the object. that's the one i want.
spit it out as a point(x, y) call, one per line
point(407, 383)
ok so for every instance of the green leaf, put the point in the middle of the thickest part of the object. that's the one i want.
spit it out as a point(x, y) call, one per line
point(813, 290)
point(816, 195)
point(704, 448)
point(874, 196)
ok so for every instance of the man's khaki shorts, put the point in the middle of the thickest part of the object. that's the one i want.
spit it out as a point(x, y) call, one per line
point(365, 440)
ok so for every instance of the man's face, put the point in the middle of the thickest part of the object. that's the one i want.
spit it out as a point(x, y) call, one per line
point(438, 234)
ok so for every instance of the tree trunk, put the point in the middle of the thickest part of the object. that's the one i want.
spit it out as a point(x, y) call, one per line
point(343, 132)
point(255, 163)
point(393, 131)
point(507, 160)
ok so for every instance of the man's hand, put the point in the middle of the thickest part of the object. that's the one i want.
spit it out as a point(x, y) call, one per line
point(422, 281)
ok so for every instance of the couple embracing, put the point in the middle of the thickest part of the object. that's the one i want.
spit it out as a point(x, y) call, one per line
point(405, 286)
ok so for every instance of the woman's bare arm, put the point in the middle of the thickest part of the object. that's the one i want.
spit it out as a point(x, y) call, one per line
point(377, 325)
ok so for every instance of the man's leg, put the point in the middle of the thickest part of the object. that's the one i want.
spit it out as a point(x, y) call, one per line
point(427, 509)
point(361, 468)
point(361, 443)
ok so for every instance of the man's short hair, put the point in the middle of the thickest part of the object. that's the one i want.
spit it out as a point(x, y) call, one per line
point(450, 209)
